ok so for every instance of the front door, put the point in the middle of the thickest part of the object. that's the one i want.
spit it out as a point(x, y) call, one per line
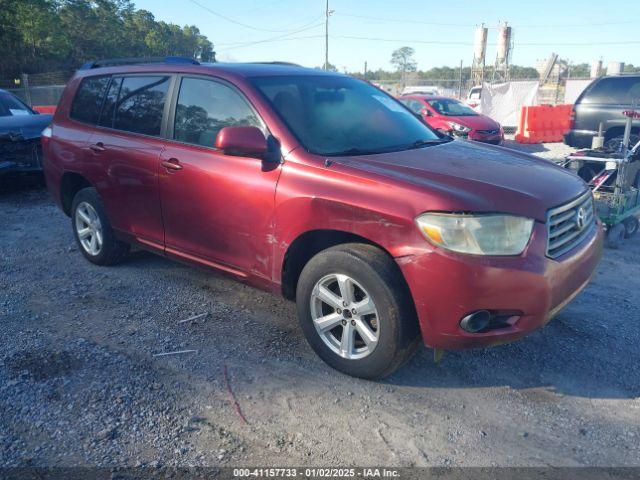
point(216, 208)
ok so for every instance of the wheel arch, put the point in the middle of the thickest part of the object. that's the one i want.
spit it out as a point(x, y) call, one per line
point(613, 132)
point(70, 184)
point(308, 244)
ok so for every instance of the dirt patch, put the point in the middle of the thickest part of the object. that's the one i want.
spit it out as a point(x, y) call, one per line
point(42, 364)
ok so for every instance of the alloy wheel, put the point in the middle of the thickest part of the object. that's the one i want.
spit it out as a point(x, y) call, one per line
point(88, 228)
point(345, 316)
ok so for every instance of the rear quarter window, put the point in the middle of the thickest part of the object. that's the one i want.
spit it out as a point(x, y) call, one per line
point(88, 99)
point(615, 90)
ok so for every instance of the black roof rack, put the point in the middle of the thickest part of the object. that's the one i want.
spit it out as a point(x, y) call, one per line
point(110, 62)
point(277, 63)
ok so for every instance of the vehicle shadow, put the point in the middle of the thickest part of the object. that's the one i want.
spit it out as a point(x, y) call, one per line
point(21, 183)
point(586, 351)
point(572, 355)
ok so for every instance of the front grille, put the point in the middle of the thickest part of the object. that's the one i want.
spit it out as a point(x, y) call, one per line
point(569, 224)
point(488, 132)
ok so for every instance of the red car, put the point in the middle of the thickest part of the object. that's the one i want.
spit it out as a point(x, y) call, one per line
point(322, 188)
point(453, 117)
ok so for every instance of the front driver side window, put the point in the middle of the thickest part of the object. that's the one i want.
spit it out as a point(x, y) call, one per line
point(205, 107)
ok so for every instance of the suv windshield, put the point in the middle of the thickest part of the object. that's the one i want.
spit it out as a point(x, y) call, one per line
point(11, 106)
point(336, 115)
point(451, 107)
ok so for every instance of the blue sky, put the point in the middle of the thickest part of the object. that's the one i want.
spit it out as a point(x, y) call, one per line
point(440, 32)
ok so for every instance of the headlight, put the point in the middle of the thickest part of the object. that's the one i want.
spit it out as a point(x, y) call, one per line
point(477, 234)
point(459, 128)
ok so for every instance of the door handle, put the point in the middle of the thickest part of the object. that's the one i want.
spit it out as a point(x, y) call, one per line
point(172, 164)
point(98, 147)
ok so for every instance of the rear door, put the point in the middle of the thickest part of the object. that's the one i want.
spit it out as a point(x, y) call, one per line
point(127, 144)
point(217, 208)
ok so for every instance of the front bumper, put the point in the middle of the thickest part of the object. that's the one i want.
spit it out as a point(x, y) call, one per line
point(493, 138)
point(23, 156)
point(528, 289)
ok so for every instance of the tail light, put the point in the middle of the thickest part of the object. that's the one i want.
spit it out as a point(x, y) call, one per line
point(572, 119)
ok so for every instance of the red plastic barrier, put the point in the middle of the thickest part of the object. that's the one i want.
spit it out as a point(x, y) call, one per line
point(543, 123)
point(48, 109)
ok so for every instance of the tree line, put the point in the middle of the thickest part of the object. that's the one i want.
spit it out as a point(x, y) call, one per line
point(50, 35)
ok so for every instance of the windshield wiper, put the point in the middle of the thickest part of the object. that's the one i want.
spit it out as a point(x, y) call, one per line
point(353, 151)
point(424, 143)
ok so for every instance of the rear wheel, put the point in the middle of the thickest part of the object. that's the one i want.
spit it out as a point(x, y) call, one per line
point(92, 230)
point(631, 226)
point(615, 235)
point(356, 312)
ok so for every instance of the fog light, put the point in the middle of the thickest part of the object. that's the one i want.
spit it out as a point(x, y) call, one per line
point(476, 322)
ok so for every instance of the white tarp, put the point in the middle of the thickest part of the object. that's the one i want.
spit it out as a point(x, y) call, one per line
point(573, 90)
point(504, 101)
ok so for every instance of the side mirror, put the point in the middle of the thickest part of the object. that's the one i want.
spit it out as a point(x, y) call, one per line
point(242, 142)
point(426, 112)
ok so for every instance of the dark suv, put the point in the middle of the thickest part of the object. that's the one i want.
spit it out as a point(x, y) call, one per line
point(603, 101)
point(323, 188)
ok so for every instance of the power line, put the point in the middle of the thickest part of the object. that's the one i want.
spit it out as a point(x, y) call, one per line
point(443, 43)
point(270, 39)
point(236, 22)
point(306, 37)
point(397, 20)
point(467, 25)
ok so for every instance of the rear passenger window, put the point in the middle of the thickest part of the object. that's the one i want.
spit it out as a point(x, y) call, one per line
point(109, 106)
point(141, 104)
point(205, 107)
point(623, 90)
point(88, 100)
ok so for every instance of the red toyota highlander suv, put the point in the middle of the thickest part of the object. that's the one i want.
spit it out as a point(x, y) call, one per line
point(325, 189)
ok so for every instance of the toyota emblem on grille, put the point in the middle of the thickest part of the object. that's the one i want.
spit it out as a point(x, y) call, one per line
point(581, 218)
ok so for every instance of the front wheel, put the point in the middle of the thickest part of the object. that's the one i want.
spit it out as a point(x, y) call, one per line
point(355, 311)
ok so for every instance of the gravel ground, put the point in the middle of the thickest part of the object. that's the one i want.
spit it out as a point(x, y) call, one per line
point(80, 385)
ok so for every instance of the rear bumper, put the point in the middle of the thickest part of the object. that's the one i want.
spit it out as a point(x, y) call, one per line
point(529, 289)
point(579, 138)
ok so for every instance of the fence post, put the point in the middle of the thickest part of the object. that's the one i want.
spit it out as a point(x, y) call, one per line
point(460, 84)
point(27, 90)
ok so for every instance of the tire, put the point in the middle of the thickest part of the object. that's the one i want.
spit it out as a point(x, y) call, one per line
point(91, 228)
point(368, 274)
point(631, 226)
point(586, 173)
point(615, 235)
point(614, 142)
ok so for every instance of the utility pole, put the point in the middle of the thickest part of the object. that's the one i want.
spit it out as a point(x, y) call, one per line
point(327, 13)
point(365, 69)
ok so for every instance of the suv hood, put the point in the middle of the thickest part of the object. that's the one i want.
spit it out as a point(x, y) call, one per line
point(468, 176)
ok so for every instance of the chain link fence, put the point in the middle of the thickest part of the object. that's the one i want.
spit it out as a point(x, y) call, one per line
point(37, 89)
